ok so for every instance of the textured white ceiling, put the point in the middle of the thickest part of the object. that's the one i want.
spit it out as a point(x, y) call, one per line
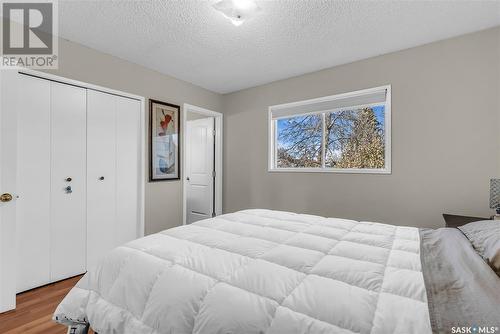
point(189, 40)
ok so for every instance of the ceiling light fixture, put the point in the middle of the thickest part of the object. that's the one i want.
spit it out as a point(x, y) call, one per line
point(237, 10)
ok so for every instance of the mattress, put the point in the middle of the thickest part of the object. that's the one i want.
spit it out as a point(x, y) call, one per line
point(257, 271)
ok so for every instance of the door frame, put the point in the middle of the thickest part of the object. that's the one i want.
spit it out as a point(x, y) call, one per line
point(219, 124)
point(8, 286)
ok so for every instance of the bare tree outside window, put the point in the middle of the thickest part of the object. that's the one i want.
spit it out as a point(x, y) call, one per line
point(299, 141)
point(354, 139)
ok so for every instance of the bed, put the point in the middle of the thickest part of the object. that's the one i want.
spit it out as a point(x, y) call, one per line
point(263, 271)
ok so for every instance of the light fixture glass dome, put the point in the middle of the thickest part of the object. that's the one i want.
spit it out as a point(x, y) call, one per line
point(237, 11)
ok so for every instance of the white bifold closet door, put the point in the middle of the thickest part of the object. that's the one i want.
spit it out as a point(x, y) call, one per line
point(33, 182)
point(51, 149)
point(113, 137)
point(68, 162)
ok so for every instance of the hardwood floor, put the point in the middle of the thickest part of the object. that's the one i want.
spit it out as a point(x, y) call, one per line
point(33, 314)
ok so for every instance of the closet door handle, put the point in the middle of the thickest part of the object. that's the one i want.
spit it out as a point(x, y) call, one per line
point(5, 198)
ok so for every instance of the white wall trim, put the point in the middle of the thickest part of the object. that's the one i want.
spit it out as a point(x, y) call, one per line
point(142, 170)
point(272, 133)
point(82, 84)
point(142, 100)
point(219, 125)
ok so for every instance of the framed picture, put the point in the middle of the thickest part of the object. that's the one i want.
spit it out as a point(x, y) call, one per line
point(164, 136)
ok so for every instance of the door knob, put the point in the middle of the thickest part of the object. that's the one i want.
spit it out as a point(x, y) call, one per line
point(187, 178)
point(5, 197)
point(69, 190)
point(68, 179)
point(101, 178)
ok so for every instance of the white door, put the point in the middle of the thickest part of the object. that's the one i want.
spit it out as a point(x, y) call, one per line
point(113, 164)
point(33, 185)
point(8, 188)
point(128, 166)
point(200, 169)
point(44, 181)
point(51, 227)
point(68, 171)
point(101, 177)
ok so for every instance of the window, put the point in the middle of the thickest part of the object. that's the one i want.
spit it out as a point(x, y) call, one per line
point(341, 133)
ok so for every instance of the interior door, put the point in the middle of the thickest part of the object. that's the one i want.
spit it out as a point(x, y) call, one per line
point(200, 169)
point(33, 188)
point(113, 178)
point(128, 166)
point(68, 227)
point(101, 176)
point(8, 188)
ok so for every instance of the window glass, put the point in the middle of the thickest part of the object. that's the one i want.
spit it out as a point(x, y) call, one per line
point(299, 142)
point(344, 133)
point(355, 138)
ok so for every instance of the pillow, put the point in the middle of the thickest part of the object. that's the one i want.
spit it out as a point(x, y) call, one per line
point(485, 238)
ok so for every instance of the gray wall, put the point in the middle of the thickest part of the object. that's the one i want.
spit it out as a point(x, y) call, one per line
point(445, 142)
point(163, 199)
point(192, 116)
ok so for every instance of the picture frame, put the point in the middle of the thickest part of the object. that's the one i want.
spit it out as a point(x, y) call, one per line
point(164, 141)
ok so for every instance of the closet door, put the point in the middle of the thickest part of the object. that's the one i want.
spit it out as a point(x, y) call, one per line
point(113, 165)
point(33, 182)
point(128, 160)
point(68, 172)
point(101, 176)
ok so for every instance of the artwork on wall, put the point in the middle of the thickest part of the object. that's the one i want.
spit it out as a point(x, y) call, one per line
point(164, 158)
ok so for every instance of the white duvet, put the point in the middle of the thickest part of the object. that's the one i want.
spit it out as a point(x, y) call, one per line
point(258, 271)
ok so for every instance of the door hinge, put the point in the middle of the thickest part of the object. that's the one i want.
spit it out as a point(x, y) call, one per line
point(214, 174)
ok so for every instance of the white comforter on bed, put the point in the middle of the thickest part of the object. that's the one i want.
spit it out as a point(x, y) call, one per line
point(258, 271)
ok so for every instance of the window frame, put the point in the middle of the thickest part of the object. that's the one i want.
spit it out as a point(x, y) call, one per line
point(273, 133)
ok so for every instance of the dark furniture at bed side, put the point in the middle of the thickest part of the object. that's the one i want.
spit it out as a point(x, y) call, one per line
point(457, 220)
